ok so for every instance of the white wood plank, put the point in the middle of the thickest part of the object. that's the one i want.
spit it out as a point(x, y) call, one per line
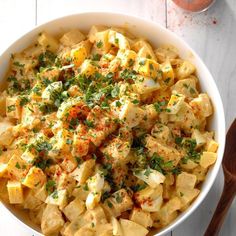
point(152, 9)
point(212, 34)
point(16, 18)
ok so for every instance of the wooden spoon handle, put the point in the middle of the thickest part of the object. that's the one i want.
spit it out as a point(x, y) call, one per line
point(226, 199)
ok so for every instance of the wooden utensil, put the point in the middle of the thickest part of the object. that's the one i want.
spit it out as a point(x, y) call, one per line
point(229, 191)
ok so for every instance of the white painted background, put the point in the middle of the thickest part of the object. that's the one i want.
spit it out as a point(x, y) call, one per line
point(212, 34)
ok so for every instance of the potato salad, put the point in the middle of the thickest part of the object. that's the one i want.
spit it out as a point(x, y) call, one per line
point(102, 134)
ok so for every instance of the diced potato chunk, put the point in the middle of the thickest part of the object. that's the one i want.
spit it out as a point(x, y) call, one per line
point(131, 228)
point(186, 87)
point(119, 147)
point(186, 180)
point(127, 57)
point(167, 73)
point(13, 108)
point(161, 132)
point(131, 114)
point(94, 30)
point(74, 209)
point(52, 91)
point(15, 192)
point(175, 103)
point(200, 139)
point(168, 209)
point(102, 43)
point(52, 220)
point(212, 146)
point(147, 67)
point(141, 217)
point(168, 153)
point(87, 68)
point(144, 49)
point(30, 201)
point(78, 55)
point(202, 105)
point(7, 137)
point(166, 52)
point(48, 42)
point(35, 178)
point(150, 199)
point(187, 195)
point(116, 227)
point(119, 202)
point(185, 70)
point(145, 85)
point(208, 159)
point(3, 169)
point(72, 37)
point(85, 170)
point(17, 167)
point(117, 39)
point(58, 197)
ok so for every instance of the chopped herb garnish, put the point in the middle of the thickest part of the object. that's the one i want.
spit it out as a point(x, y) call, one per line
point(99, 44)
point(17, 165)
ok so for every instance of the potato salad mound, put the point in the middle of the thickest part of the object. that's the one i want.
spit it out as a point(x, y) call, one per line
point(102, 135)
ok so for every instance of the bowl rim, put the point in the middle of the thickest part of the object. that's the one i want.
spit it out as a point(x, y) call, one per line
point(197, 202)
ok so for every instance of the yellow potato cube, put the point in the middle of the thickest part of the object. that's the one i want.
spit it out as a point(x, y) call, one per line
point(74, 209)
point(212, 146)
point(52, 220)
point(41, 193)
point(147, 67)
point(131, 228)
point(3, 169)
point(127, 57)
point(119, 202)
point(29, 156)
point(35, 178)
point(7, 137)
point(145, 85)
point(131, 114)
point(102, 43)
point(13, 108)
point(168, 75)
point(186, 180)
point(94, 30)
point(202, 105)
point(78, 55)
point(31, 202)
point(208, 159)
point(84, 171)
point(59, 198)
point(144, 49)
point(17, 167)
point(117, 39)
point(200, 139)
point(185, 70)
point(175, 103)
point(186, 87)
point(187, 195)
point(72, 37)
point(15, 192)
point(48, 42)
point(141, 217)
point(87, 68)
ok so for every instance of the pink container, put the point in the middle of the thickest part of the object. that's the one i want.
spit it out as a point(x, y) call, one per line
point(194, 5)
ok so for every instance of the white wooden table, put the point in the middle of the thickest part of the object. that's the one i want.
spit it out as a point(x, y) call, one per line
point(211, 34)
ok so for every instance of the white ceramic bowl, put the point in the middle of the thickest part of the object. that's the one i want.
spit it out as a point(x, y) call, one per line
point(157, 35)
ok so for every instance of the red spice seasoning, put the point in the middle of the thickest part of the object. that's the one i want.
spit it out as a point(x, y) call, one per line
point(194, 5)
